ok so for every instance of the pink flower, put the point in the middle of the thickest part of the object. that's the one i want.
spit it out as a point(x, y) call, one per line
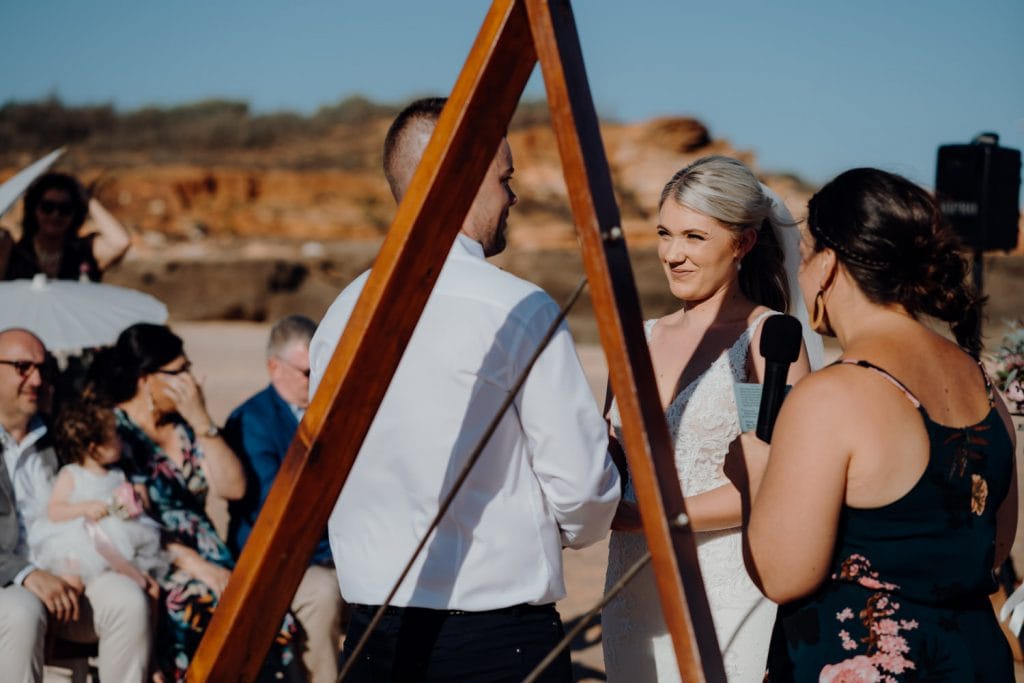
point(856, 670)
point(893, 645)
point(844, 615)
point(124, 502)
point(893, 663)
point(886, 627)
point(848, 642)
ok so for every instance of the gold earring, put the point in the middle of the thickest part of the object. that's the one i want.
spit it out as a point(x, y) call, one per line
point(819, 316)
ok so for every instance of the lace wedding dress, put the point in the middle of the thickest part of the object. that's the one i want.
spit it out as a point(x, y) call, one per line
point(703, 421)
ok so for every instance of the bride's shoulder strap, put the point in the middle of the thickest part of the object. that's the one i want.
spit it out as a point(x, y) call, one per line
point(748, 334)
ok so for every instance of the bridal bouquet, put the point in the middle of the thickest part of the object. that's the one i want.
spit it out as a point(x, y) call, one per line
point(1009, 367)
point(125, 503)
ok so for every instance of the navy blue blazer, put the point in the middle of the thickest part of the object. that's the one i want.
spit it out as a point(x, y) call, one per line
point(260, 431)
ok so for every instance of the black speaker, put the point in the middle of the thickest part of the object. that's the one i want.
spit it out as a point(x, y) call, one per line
point(977, 186)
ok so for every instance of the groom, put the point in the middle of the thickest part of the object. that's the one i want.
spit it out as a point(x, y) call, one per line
point(479, 602)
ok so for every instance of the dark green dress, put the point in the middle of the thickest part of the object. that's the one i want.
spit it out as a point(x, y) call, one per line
point(907, 596)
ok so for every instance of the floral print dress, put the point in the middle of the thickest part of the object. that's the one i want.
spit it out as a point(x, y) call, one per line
point(178, 502)
point(907, 598)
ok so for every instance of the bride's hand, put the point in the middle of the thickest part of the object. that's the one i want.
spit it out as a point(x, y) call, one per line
point(627, 517)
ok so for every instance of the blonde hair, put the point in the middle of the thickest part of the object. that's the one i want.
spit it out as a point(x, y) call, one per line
point(725, 189)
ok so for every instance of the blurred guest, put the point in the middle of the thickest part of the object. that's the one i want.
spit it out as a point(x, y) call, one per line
point(173, 446)
point(260, 432)
point(720, 241)
point(56, 208)
point(111, 607)
point(479, 602)
point(890, 493)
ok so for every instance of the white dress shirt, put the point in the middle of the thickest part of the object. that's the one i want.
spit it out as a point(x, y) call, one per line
point(31, 470)
point(544, 480)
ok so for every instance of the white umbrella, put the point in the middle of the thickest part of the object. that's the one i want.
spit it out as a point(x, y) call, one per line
point(69, 315)
point(12, 188)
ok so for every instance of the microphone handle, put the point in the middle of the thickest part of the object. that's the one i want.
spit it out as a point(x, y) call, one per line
point(771, 398)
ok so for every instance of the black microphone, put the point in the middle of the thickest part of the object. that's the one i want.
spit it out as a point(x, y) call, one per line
point(780, 346)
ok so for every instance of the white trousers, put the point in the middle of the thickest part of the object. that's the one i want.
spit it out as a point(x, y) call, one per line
point(317, 605)
point(113, 611)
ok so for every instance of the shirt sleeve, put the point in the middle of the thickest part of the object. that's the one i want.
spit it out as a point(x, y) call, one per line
point(567, 438)
point(328, 332)
point(19, 578)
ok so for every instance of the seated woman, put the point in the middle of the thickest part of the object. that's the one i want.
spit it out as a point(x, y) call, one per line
point(890, 493)
point(56, 208)
point(172, 445)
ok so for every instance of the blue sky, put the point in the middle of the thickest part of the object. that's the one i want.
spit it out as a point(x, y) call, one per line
point(812, 86)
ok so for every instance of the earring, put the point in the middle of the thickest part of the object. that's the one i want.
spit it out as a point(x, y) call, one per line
point(819, 316)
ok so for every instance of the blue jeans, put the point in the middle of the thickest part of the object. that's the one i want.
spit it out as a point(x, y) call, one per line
point(415, 644)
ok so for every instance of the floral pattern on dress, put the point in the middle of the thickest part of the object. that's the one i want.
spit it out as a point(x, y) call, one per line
point(178, 500)
point(923, 597)
point(884, 648)
point(966, 441)
point(979, 494)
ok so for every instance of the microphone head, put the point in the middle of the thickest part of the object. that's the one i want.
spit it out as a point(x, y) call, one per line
point(780, 339)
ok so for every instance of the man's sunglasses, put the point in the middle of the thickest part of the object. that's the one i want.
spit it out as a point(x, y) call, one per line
point(294, 367)
point(49, 207)
point(25, 367)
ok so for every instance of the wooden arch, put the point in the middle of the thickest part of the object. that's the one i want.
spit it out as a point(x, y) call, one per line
point(515, 35)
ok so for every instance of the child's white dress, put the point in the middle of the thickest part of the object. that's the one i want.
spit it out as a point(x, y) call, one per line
point(71, 548)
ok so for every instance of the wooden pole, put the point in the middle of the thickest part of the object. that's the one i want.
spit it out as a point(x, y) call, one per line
point(330, 435)
point(617, 309)
point(319, 460)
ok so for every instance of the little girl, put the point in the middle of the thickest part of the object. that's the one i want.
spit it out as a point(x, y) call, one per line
point(95, 520)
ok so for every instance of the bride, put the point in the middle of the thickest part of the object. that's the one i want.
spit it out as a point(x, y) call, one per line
point(730, 254)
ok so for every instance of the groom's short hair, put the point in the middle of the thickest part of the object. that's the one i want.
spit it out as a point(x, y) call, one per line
point(407, 138)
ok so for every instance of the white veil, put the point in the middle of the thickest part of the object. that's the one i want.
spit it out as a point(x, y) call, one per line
point(788, 236)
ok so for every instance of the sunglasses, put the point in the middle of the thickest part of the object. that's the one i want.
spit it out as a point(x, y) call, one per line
point(48, 208)
point(24, 368)
point(176, 371)
point(294, 367)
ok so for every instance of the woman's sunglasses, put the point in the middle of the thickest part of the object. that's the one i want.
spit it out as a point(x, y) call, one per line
point(49, 208)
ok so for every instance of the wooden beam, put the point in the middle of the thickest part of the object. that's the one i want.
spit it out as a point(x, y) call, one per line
point(329, 437)
point(616, 307)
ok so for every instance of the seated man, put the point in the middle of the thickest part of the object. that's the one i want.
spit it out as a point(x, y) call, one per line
point(260, 431)
point(112, 608)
